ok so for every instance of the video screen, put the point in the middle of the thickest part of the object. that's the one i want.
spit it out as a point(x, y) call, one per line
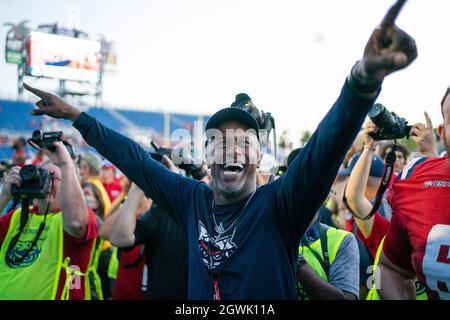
point(60, 57)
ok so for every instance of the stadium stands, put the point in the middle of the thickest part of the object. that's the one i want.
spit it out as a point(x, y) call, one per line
point(6, 152)
point(106, 118)
point(181, 121)
point(15, 120)
point(144, 119)
point(15, 116)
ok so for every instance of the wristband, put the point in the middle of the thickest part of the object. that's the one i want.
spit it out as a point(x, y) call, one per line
point(358, 81)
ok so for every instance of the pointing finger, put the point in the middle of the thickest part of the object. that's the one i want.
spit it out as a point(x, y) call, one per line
point(392, 14)
point(39, 93)
point(428, 121)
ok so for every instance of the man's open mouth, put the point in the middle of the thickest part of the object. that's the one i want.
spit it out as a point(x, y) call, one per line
point(232, 169)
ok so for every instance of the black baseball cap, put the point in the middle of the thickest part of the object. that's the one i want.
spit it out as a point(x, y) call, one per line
point(234, 113)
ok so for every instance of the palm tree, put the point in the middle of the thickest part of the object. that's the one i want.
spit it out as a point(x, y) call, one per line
point(305, 137)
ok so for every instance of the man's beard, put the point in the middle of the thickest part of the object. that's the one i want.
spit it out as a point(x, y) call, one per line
point(229, 191)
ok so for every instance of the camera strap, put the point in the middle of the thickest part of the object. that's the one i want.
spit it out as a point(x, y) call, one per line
point(24, 214)
point(387, 175)
point(324, 245)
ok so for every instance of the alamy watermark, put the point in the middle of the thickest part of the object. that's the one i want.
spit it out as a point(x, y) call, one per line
point(374, 280)
point(73, 280)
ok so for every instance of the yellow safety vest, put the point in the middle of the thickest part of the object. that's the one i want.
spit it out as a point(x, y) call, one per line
point(113, 267)
point(421, 293)
point(93, 270)
point(38, 275)
point(334, 240)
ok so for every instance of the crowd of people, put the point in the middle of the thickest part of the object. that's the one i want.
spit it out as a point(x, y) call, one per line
point(120, 223)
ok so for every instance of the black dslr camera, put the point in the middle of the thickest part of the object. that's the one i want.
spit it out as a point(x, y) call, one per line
point(390, 125)
point(35, 183)
point(265, 119)
point(266, 122)
point(36, 180)
point(188, 164)
point(160, 152)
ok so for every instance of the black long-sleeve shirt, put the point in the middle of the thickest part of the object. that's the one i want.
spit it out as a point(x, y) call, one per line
point(257, 258)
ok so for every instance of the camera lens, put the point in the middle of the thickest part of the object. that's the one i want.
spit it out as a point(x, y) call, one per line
point(37, 134)
point(29, 173)
point(381, 116)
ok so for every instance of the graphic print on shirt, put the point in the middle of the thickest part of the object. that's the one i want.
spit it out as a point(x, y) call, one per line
point(23, 245)
point(436, 261)
point(215, 250)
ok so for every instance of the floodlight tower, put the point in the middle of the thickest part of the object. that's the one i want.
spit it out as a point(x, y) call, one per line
point(15, 51)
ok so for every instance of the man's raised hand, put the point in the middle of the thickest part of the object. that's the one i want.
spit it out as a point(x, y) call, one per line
point(423, 136)
point(389, 48)
point(52, 105)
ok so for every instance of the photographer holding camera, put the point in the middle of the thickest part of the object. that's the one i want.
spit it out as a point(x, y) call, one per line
point(356, 194)
point(418, 238)
point(359, 201)
point(243, 241)
point(45, 250)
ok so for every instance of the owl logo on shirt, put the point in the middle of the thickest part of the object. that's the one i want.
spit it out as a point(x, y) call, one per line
point(215, 250)
point(24, 253)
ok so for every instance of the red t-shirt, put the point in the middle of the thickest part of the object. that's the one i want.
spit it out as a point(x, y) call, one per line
point(379, 229)
point(113, 189)
point(418, 238)
point(79, 250)
point(128, 285)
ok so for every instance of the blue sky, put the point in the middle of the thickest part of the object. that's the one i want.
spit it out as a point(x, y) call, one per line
point(194, 56)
